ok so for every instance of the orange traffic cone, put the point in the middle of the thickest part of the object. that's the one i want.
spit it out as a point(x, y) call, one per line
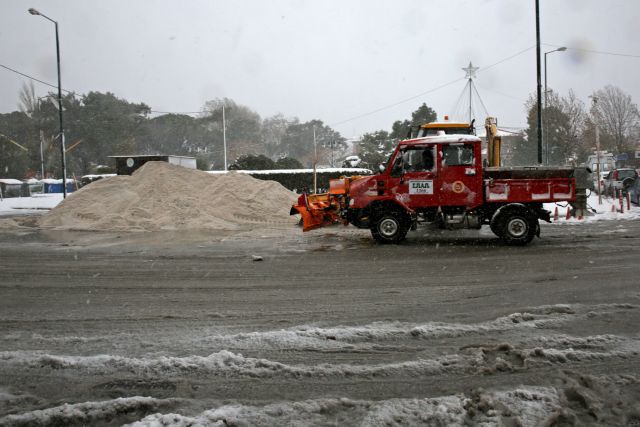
point(568, 213)
point(556, 215)
point(613, 208)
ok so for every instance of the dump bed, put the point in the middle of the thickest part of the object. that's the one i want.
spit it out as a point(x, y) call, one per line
point(529, 184)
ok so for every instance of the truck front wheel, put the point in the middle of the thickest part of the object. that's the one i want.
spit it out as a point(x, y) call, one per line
point(389, 228)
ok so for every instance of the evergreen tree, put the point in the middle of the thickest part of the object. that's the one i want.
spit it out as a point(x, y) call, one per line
point(424, 114)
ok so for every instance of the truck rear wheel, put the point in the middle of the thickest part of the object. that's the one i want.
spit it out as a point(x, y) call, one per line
point(516, 227)
point(390, 228)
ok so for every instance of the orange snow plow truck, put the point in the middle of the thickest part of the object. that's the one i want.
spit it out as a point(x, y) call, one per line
point(440, 178)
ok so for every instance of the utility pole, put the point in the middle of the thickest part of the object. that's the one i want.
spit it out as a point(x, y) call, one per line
point(224, 137)
point(41, 154)
point(595, 123)
point(539, 87)
point(315, 161)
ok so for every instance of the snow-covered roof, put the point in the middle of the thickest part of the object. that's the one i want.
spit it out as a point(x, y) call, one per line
point(443, 138)
point(10, 181)
point(94, 176)
point(55, 181)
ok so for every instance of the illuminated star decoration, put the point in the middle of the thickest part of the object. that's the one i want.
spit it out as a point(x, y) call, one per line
point(471, 71)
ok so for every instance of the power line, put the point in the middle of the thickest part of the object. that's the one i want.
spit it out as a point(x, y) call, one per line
point(429, 91)
point(505, 59)
point(33, 78)
point(503, 129)
point(397, 103)
point(500, 93)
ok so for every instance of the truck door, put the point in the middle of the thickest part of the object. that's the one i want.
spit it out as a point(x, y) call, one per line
point(460, 174)
point(413, 176)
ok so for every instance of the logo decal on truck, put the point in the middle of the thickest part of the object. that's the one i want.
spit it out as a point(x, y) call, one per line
point(422, 186)
point(457, 187)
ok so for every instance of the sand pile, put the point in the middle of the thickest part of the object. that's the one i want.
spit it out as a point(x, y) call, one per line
point(163, 196)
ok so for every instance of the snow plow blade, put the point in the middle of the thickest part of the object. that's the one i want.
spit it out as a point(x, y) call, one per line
point(316, 210)
point(319, 210)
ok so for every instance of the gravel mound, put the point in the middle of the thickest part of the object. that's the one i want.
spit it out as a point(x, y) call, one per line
point(161, 196)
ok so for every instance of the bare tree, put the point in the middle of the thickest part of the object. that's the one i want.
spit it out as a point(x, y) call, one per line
point(564, 120)
point(28, 101)
point(274, 130)
point(618, 118)
point(575, 111)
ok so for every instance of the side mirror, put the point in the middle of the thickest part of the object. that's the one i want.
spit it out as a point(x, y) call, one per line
point(381, 167)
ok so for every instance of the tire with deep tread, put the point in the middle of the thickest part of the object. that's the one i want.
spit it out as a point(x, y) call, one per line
point(390, 227)
point(516, 227)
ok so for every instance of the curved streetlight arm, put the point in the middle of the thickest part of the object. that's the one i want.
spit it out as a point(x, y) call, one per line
point(35, 12)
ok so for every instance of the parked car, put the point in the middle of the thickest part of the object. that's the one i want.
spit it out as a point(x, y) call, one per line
point(619, 179)
point(634, 191)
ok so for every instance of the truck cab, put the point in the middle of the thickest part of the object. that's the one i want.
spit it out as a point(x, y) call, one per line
point(435, 171)
point(432, 178)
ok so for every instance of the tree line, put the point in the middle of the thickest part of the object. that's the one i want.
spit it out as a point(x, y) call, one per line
point(569, 127)
point(98, 125)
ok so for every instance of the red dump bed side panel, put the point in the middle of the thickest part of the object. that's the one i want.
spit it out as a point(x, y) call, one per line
point(530, 190)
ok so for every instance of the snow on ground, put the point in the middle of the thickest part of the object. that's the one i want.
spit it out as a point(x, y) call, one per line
point(599, 210)
point(448, 410)
point(225, 364)
point(38, 203)
point(540, 348)
point(86, 413)
point(531, 404)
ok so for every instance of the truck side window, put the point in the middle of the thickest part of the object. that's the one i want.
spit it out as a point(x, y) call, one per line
point(466, 155)
point(457, 155)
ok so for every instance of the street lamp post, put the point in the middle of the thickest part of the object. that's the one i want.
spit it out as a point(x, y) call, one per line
point(62, 149)
point(544, 125)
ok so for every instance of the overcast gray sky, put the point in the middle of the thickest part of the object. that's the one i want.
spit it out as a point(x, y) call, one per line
point(332, 60)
